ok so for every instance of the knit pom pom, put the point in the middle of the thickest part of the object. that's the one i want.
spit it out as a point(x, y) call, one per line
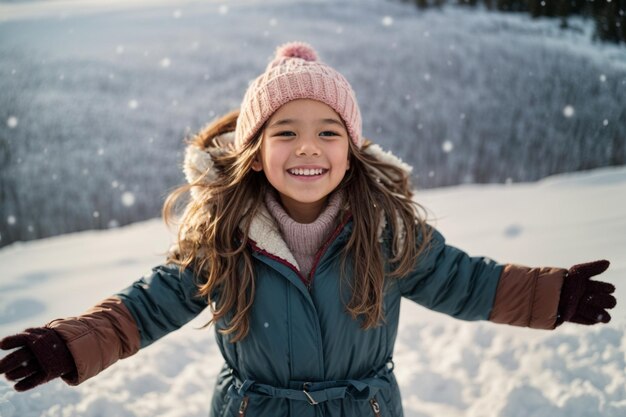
point(297, 50)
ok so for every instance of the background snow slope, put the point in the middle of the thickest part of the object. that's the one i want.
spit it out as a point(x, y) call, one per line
point(444, 366)
point(96, 99)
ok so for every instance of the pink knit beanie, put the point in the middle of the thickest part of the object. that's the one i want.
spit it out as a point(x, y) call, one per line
point(296, 73)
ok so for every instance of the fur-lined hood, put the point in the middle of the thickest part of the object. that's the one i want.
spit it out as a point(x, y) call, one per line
point(198, 166)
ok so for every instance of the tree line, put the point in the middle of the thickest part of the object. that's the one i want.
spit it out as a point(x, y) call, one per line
point(609, 16)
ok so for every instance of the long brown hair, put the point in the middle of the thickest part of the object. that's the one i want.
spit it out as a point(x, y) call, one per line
point(213, 228)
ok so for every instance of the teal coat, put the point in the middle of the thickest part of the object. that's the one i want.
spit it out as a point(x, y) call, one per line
point(300, 335)
point(304, 355)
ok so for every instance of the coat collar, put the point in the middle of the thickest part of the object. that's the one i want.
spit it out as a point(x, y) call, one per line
point(264, 231)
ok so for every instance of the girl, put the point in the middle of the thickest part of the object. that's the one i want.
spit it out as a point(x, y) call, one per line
point(301, 237)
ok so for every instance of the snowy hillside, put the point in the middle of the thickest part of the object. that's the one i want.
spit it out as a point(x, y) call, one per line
point(97, 96)
point(445, 367)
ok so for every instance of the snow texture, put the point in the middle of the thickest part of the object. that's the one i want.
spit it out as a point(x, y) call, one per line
point(444, 366)
point(151, 85)
point(464, 96)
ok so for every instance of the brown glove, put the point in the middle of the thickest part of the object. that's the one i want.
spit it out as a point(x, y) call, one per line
point(584, 301)
point(41, 357)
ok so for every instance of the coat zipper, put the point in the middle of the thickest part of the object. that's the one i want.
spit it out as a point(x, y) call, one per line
point(243, 406)
point(322, 251)
point(308, 283)
point(375, 407)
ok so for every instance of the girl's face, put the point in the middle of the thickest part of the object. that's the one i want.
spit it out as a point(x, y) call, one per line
point(304, 153)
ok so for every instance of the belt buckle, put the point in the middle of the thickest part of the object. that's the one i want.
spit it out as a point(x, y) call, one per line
point(310, 399)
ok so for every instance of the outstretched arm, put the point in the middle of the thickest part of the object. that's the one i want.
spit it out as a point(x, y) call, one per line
point(448, 280)
point(78, 348)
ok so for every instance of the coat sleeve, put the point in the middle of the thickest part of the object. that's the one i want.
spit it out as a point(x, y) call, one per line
point(120, 325)
point(448, 280)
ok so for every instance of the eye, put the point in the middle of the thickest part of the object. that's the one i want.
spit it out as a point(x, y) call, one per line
point(329, 133)
point(284, 133)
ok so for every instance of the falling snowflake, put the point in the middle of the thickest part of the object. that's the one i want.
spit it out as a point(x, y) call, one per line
point(447, 146)
point(12, 122)
point(128, 199)
point(133, 104)
point(206, 76)
point(165, 62)
point(568, 111)
point(11, 220)
point(427, 77)
point(508, 181)
point(85, 171)
point(100, 151)
point(223, 9)
point(273, 22)
point(96, 214)
point(462, 116)
point(387, 21)
point(120, 49)
point(431, 174)
point(62, 77)
point(113, 224)
point(115, 184)
point(111, 76)
point(426, 34)
point(602, 78)
point(177, 14)
point(605, 122)
point(30, 228)
point(513, 230)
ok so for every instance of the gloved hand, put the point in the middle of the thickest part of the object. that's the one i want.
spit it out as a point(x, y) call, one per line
point(42, 356)
point(584, 301)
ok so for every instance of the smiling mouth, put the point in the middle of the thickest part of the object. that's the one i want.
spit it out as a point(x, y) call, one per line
point(307, 172)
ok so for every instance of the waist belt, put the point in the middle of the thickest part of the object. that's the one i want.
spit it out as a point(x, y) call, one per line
point(317, 392)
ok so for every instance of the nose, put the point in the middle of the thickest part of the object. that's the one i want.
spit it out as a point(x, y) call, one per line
point(307, 146)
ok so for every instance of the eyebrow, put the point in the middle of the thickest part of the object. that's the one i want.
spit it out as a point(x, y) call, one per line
point(291, 121)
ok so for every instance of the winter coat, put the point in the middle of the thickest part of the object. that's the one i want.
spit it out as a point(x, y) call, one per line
point(304, 355)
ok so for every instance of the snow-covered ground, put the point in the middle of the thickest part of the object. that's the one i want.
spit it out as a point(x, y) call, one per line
point(98, 63)
point(445, 367)
point(97, 95)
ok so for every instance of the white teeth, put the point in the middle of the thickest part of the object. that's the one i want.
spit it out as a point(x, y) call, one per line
point(306, 172)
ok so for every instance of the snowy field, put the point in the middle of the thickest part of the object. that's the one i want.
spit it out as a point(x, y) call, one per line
point(135, 77)
point(97, 96)
point(445, 367)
